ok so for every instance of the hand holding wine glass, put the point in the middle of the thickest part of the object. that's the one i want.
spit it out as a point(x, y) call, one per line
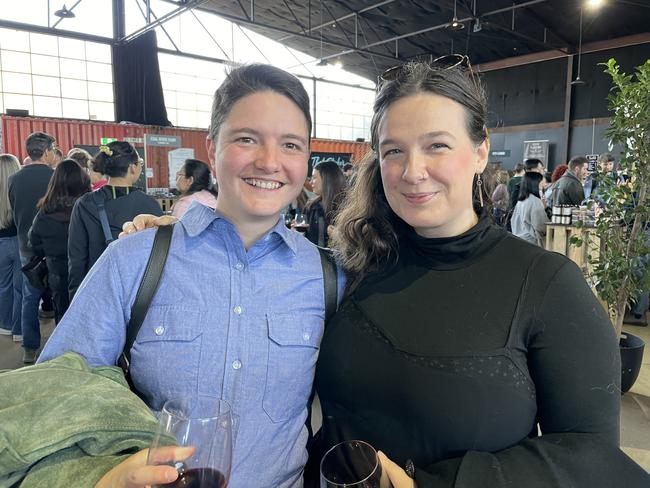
point(205, 424)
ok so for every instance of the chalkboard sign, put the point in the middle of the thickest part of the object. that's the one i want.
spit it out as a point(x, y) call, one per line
point(536, 150)
point(592, 162)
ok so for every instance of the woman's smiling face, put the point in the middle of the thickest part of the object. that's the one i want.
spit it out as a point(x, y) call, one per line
point(428, 163)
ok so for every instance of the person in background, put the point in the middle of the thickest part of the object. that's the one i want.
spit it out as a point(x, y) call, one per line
point(194, 182)
point(26, 188)
point(11, 277)
point(348, 170)
point(85, 160)
point(569, 190)
point(58, 157)
point(48, 235)
point(122, 202)
point(457, 340)
point(513, 184)
point(500, 199)
point(529, 218)
point(329, 183)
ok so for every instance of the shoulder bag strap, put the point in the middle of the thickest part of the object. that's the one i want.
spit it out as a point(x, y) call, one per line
point(146, 292)
point(330, 279)
point(330, 291)
point(103, 218)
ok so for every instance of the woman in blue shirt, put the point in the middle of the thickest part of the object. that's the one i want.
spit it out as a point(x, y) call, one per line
point(219, 323)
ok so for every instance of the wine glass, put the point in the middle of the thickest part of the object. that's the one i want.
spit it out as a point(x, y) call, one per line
point(352, 464)
point(205, 423)
point(300, 222)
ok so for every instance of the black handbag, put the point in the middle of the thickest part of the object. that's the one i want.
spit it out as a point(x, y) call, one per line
point(36, 272)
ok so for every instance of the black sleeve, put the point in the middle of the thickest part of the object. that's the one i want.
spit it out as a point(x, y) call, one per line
point(34, 236)
point(574, 361)
point(78, 243)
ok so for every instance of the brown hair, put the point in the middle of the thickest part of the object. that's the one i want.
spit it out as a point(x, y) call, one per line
point(367, 228)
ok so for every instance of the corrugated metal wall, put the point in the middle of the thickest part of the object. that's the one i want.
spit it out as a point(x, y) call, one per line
point(69, 133)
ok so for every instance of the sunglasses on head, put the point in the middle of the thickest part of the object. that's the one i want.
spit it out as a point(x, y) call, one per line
point(448, 61)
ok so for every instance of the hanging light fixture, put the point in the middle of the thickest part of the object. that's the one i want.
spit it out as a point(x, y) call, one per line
point(64, 13)
point(578, 81)
point(455, 25)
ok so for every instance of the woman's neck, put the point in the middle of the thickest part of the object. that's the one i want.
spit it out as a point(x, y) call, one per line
point(122, 181)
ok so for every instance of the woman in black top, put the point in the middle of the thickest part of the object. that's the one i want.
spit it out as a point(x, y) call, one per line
point(457, 340)
point(121, 200)
point(48, 235)
point(329, 183)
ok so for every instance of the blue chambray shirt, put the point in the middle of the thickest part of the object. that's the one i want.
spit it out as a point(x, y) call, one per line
point(242, 325)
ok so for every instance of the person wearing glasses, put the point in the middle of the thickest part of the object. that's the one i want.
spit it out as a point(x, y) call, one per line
point(121, 201)
point(456, 340)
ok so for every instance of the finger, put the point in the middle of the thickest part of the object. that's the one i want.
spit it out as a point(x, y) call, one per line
point(164, 220)
point(396, 474)
point(143, 221)
point(169, 453)
point(127, 228)
point(147, 475)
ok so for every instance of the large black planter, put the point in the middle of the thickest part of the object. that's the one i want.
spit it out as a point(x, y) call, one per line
point(631, 358)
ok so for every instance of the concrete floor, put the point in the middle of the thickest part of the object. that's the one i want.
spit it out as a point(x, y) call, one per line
point(635, 405)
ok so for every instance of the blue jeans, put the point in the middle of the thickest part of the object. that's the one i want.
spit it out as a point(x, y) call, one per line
point(31, 299)
point(11, 285)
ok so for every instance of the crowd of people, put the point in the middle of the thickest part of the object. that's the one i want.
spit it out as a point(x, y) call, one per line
point(450, 351)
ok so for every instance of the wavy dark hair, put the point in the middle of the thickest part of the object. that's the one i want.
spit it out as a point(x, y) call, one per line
point(201, 174)
point(116, 161)
point(333, 187)
point(367, 228)
point(68, 183)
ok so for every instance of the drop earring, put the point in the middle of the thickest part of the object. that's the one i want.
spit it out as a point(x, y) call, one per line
point(479, 187)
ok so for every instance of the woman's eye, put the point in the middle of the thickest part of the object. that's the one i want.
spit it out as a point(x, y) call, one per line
point(246, 140)
point(439, 145)
point(392, 152)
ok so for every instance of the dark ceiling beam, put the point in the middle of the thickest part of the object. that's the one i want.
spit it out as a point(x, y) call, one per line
point(339, 19)
point(526, 38)
point(591, 47)
point(437, 27)
point(119, 20)
point(239, 20)
point(243, 10)
point(295, 17)
point(161, 20)
point(9, 24)
point(543, 24)
point(147, 17)
point(350, 42)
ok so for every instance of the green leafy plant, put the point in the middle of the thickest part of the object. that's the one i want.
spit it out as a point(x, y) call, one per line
point(619, 272)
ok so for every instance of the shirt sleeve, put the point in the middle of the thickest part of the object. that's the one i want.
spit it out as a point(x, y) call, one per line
point(538, 218)
point(574, 361)
point(34, 237)
point(95, 323)
point(78, 244)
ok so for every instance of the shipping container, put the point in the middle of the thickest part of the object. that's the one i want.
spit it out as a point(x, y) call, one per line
point(71, 133)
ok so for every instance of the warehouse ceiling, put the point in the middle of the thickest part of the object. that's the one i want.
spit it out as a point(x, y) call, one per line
point(370, 36)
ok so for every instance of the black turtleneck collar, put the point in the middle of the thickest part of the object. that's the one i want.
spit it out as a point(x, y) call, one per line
point(450, 252)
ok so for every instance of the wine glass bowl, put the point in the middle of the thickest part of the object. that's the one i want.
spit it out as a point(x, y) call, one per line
point(352, 464)
point(205, 423)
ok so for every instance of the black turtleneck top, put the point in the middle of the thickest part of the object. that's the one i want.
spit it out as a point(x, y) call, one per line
point(452, 356)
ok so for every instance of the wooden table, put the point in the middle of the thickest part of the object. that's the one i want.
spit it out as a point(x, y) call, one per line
point(558, 239)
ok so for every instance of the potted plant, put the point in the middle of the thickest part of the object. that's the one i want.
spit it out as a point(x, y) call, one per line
point(620, 272)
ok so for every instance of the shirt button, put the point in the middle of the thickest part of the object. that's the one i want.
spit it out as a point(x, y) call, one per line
point(237, 310)
point(239, 266)
point(306, 336)
point(236, 364)
point(159, 330)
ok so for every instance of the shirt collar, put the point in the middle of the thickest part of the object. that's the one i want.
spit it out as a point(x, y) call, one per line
point(199, 217)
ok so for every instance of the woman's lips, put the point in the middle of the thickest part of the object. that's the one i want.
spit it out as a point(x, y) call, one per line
point(419, 198)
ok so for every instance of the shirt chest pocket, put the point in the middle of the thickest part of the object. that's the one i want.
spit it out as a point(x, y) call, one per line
point(166, 353)
point(292, 352)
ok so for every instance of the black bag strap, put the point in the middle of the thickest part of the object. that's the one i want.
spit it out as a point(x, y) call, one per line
point(330, 291)
point(330, 279)
point(146, 292)
point(103, 218)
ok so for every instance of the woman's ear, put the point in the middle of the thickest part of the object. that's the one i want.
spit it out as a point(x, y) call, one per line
point(483, 152)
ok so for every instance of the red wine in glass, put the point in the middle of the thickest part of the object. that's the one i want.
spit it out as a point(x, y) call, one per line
point(200, 478)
